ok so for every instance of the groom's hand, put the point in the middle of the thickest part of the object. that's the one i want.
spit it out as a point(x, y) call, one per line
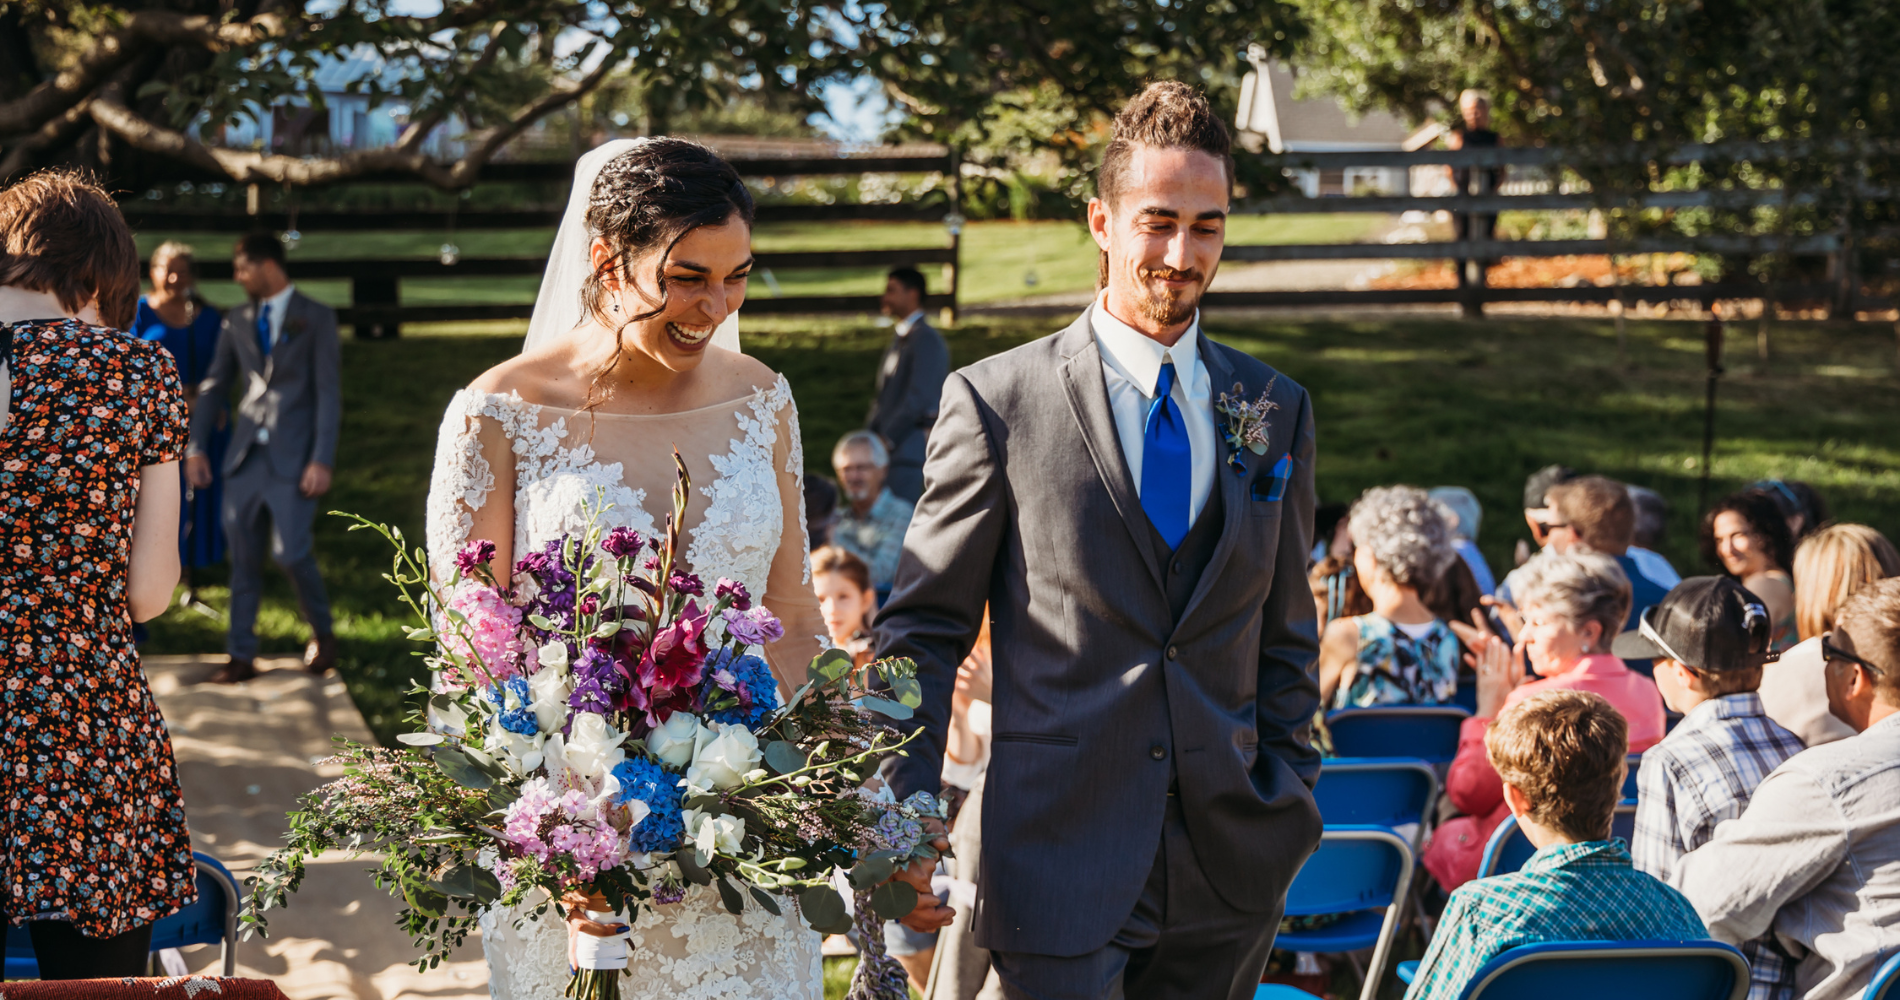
point(930, 914)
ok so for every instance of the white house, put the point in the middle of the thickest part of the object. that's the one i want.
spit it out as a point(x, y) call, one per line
point(347, 121)
point(1272, 117)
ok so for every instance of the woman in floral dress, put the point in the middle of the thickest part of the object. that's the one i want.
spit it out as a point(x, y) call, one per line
point(93, 845)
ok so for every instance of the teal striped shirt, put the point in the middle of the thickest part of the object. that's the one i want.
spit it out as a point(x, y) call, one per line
point(1565, 892)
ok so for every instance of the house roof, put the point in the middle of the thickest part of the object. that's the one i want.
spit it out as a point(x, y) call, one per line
point(1311, 125)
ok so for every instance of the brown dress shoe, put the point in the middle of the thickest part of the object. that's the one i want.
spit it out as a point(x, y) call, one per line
point(319, 657)
point(239, 670)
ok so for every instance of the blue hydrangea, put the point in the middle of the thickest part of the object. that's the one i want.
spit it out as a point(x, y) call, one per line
point(647, 781)
point(756, 689)
point(520, 721)
point(517, 686)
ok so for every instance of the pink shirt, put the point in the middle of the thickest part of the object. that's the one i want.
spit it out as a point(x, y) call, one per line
point(1626, 690)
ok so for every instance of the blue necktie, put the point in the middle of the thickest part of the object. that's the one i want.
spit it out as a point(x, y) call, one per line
point(263, 330)
point(1167, 463)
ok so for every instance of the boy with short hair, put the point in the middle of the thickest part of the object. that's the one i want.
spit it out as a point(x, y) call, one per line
point(1561, 755)
point(1709, 640)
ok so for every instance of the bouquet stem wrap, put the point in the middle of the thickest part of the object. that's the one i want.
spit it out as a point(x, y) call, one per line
point(592, 952)
point(879, 976)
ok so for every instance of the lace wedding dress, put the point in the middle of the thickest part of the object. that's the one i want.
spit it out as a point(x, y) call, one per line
point(744, 521)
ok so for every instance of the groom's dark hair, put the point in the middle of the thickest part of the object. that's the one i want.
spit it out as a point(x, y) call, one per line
point(1165, 115)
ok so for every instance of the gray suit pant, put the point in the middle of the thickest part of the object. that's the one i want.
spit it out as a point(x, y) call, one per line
point(263, 512)
point(1182, 942)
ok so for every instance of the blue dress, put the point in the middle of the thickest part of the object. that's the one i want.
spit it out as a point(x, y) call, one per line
point(200, 530)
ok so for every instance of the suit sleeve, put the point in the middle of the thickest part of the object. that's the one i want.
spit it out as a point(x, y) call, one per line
point(326, 372)
point(1288, 691)
point(214, 393)
point(943, 576)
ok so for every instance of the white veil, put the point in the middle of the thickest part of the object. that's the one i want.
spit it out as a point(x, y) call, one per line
point(557, 309)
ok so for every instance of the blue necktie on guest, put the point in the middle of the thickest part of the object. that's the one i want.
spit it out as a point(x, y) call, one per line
point(263, 329)
point(1167, 463)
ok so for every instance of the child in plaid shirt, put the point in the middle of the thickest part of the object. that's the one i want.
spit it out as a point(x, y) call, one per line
point(1708, 639)
point(1561, 755)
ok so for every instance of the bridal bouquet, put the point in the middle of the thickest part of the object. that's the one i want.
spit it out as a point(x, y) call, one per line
point(602, 727)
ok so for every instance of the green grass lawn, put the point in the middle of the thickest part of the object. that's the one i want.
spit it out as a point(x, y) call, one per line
point(1428, 402)
point(1001, 260)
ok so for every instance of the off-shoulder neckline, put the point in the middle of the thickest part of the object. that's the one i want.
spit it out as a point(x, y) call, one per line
point(514, 396)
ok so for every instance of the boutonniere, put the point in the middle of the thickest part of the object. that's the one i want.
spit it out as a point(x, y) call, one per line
point(293, 326)
point(1246, 422)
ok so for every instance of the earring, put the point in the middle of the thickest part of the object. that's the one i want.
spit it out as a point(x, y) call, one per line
point(616, 307)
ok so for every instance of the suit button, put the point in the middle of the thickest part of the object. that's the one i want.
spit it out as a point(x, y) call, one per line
point(1158, 752)
point(1171, 652)
point(1176, 568)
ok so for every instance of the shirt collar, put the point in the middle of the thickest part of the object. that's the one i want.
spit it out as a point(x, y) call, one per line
point(904, 325)
point(1589, 852)
point(279, 301)
point(1138, 357)
point(1741, 705)
point(871, 512)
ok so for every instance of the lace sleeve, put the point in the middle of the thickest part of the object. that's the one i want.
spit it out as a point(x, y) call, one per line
point(788, 590)
point(468, 450)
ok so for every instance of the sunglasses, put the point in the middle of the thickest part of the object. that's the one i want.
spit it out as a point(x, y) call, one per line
point(1829, 651)
point(1546, 527)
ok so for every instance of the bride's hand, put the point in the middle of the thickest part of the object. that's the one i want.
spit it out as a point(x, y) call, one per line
point(576, 903)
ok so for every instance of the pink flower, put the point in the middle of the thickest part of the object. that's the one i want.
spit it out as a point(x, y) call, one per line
point(491, 629)
point(678, 653)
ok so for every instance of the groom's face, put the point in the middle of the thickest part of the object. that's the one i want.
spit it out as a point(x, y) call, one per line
point(1162, 236)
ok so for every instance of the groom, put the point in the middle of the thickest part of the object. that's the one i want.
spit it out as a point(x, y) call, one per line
point(1147, 802)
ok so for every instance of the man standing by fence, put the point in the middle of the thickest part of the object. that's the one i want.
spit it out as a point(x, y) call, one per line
point(909, 383)
point(282, 348)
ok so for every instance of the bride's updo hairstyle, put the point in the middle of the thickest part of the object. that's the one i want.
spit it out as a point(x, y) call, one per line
point(648, 198)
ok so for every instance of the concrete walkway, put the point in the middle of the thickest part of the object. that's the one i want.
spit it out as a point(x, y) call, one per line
point(245, 753)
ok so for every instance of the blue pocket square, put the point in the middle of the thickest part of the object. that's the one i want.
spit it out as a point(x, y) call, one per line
point(1275, 487)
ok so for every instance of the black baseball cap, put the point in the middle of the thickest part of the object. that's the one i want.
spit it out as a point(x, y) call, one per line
point(1707, 622)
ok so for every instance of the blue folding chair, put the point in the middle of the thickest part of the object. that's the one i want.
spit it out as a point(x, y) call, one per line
point(1633, 762)
point(1627, 970)
point(1508, 849)
point(210, 920)
point(1886, 984)
point(1360, 873)
point(1428, 732)
point(1392, 792)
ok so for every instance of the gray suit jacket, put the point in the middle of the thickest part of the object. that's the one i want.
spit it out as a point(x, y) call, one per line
point(909, 383)
point(1101, 697)
point(295, 394)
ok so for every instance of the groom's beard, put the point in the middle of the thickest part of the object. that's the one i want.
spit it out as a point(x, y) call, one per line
point(1169, 306)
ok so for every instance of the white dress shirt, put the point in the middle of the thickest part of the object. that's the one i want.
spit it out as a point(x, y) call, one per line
point(279, 304)
point(904, 325)
point(1131, 363)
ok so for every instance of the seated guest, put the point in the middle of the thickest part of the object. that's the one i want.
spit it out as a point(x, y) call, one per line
point(1467, 514)
point(846, 600)
point(1399, 653)
point(1561, 758)
point(1709, 640)
point(1597, 513)
point(1537, 515)
point(1574, 604)
point(1652, 521)
point(872, 523)
point(1815, 858)
point(1746, 536)
point(1829, 567)
point(1800, 504)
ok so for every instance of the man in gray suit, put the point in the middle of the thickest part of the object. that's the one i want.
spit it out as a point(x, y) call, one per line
point(281, 349)
point(1143, 556)
point(909, 383)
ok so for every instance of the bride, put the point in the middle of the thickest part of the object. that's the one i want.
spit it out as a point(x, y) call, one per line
point(622, 365)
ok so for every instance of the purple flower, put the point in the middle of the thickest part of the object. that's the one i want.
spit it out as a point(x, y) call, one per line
point(588, 696)
point(475, 553)
point(686, 583)
point(755, 627)
point(599, 667)
point(736, 591)
point(622, 542)
point(533, 564)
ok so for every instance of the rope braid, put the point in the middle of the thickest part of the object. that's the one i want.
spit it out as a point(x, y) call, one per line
point(878, 976)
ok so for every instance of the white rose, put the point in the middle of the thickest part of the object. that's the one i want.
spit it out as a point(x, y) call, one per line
point(593, 746)
point(549, 689)
point(553, 656)
point(522, 753)
point(676, 739)
point(712, 834)
point(723, 761)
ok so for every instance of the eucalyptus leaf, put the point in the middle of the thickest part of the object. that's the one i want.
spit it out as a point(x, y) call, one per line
point(886, 707)
point(706, 803)
point(872, 871)
point(501, 797)
point(425, 901)
point(765, 899)
point(824, 910)
point(893, 900)
point(468, 881)
point(423, 739)
point(908, 691)
point(735, 903)
point(832, 664)
point(1257, 448)
point(449, 709)
point(488, 764)
point(783, 757)
point(689, 867)
point(461, 770)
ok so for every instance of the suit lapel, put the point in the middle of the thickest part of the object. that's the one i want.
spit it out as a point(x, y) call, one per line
point(1220, 373)
point(1088, 401)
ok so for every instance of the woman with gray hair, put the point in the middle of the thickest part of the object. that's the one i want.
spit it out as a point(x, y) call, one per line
point(1401, 653)
point(1573, 604)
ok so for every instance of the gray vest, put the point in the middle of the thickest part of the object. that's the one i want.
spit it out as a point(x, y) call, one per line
point(1182, 567)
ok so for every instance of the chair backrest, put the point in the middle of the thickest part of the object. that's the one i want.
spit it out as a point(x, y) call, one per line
point(1627, 970)
point(1428, 732)
point(1508, 848)
point(212, 919)
point(1379, 791)
point(1886, 984)
point(20, 961)
point(1357, 867)
point(1635, 761)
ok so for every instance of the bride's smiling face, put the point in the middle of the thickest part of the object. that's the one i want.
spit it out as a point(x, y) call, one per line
point(705, 282)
